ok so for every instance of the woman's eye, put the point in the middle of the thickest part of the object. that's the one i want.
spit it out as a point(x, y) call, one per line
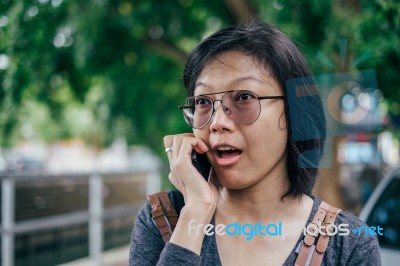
point(245, 96)
point(203, 101)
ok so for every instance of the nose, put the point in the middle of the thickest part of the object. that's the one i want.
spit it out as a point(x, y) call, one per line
point(220, 121)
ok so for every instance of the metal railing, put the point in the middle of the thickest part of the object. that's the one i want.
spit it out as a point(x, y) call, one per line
point(146, 182)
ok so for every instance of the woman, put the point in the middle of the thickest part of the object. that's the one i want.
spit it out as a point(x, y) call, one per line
point(241, 123)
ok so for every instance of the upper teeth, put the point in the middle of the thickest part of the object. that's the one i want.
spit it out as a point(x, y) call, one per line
point(225, 149)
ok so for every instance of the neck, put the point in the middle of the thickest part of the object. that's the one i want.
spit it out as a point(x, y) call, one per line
point(259, 202)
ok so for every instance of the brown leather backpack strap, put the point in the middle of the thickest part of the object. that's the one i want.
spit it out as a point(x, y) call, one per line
point(323, 240)
point(159, 217)
point(169, 210)
point(309, 239)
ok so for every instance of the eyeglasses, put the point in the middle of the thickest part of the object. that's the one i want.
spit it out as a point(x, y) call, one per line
point(241, 106)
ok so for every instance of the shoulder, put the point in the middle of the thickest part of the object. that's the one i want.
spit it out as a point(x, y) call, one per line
point(351, 220)
point(344, 218)
point(146, 241)
point(353, 243)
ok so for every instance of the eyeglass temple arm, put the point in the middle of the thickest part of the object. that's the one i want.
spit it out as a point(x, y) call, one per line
point(271, 97)
point(184, 107)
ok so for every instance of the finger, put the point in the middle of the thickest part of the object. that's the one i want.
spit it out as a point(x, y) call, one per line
point(168, 141)
point(200, 146)
point(190, 144)
point(173, 147)
point(168, 144)
point(194, 143)
point(176, 146)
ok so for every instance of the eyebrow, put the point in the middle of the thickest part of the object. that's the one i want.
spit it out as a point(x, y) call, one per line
point(237, 80)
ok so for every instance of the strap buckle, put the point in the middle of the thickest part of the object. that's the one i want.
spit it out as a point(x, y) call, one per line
point(157, 211)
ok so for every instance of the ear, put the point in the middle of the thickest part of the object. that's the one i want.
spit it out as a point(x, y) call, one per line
point(283, 121)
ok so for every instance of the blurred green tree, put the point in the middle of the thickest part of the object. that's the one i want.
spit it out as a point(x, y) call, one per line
point(102, 69)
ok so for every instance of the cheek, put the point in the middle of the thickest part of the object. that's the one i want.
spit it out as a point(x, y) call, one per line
point(271, 133)
point(273, 137)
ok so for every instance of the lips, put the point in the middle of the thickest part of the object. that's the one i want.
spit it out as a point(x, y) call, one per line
point(226, 155)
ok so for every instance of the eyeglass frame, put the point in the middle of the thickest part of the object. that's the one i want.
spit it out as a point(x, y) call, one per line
point(259, 98)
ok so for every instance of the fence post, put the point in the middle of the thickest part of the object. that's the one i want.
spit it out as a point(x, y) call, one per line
point(7, 212)
point(95, 218)
point(153, 184)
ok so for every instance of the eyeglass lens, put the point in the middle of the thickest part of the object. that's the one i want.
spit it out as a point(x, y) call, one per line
point(241, 106)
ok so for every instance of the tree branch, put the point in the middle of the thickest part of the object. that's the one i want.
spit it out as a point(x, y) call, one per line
point(242, 10)
point(168, 51)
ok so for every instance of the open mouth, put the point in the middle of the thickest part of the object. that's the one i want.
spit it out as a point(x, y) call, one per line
point(227, 153)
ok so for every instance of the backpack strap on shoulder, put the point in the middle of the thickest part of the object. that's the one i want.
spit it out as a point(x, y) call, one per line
point(169, 210)
point(323, 240)
point(164, 214)
point(324, 216)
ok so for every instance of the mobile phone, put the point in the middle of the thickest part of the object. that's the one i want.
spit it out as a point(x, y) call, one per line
point(201, 163)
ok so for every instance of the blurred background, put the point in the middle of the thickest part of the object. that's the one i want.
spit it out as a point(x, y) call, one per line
point(89, 88)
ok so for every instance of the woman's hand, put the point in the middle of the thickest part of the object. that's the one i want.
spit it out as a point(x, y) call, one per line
point(200, 197)
point(185, 177)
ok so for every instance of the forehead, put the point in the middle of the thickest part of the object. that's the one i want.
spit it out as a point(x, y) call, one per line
point(234, 69)
point(234, 61)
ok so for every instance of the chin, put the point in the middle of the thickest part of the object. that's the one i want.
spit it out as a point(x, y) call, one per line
point(233, 182)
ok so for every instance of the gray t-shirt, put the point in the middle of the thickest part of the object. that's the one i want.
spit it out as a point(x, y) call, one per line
point(148, 248)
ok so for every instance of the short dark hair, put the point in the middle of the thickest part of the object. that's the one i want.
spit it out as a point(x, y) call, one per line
point(284, 61)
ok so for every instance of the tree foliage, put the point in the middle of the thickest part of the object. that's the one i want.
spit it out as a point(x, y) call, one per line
point(101, 69)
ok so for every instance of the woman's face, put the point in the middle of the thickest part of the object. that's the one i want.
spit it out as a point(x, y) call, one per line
point(243, 154)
